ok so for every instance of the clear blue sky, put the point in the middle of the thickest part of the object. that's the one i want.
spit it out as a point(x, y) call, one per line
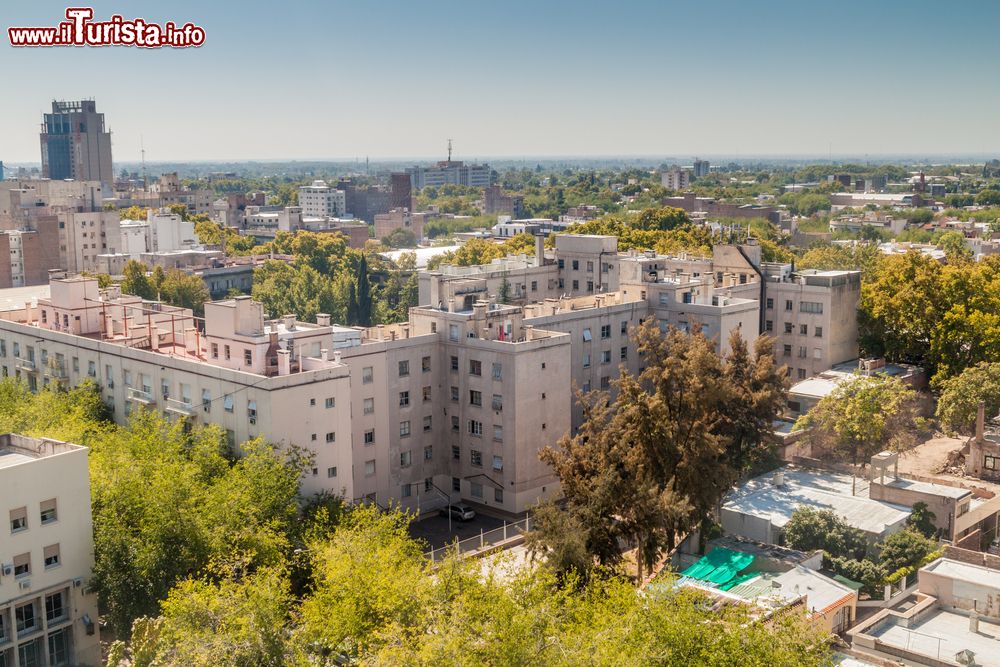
point(329, 79)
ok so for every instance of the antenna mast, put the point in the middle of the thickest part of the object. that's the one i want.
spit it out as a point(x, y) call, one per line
point(142, 153)
point(449, 150)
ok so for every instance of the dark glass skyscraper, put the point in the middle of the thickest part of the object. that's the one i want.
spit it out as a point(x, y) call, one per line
point(75, 144)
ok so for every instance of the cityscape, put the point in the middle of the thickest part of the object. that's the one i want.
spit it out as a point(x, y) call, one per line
point(566, 389)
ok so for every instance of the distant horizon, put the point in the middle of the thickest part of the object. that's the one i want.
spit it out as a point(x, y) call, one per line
point(560, 79)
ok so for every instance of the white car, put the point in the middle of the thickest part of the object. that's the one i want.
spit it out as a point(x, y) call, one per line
point(460, 512)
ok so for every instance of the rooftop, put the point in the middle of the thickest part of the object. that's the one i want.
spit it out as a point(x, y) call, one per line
point(929, 488)
point(973, 574)
point(942, 633)
point(820, 489)
point(16, 449)
point(821, 591)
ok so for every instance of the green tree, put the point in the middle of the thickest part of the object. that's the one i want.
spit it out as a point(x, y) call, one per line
point(903, 549)
point(811, 528)
point(134, 281)
point(955, 249)
point(184, 290)
point(400, 238)
point(921, 519)
point(503, 294)
point(962, 393)
point(861, 417)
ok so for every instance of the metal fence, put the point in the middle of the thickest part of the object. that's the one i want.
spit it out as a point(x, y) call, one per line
point(486, 539)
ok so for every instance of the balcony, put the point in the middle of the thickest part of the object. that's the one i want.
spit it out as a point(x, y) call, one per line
point(179, 407)
point(57, 371)
point(26, 365)
point(140, 396)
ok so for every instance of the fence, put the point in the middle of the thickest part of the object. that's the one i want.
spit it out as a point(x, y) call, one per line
point(486, 539)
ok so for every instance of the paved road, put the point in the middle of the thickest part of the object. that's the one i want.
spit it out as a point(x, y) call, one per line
point(434, 529)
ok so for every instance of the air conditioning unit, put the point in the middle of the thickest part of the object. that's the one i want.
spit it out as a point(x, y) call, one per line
point(78, 582)
point(24, 585)
point(8, 569)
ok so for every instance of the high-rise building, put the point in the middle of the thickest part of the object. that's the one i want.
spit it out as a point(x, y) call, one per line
point(75, 143)
point(700, 168)
point(1, 170)
point(321, 200)
point(675, 179)
point(400, 191)
point(449, 172)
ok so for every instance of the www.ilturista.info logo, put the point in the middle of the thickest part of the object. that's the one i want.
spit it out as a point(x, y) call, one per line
point(80, 30)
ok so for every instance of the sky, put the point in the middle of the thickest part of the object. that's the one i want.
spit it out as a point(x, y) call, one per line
point(396, 79)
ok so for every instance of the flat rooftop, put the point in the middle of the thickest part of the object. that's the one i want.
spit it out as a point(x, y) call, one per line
point(942, 633)
point(14, 298)
point(974, 574)
point(821, 591)
point(16, 449)
point(820, 489)
point(930, 488)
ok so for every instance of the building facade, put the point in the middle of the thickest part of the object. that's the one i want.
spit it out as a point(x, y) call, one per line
point(321, 200)
point(451, 172)
point(47, 614)
point(75, 144)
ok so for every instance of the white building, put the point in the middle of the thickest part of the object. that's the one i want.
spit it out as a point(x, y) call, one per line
point(47, 615)
point(322, 201)
point(675, 179)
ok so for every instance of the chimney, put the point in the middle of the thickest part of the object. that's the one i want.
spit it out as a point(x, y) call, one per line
point(323, 319)
point(284, 362)
point(539, 249)
point(980, 421)
point(289, 322)
point(451, 305)
point(324, 354)
point(336, 356)
point(973, 621)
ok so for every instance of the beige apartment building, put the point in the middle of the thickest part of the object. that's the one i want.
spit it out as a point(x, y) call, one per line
point(47, 614)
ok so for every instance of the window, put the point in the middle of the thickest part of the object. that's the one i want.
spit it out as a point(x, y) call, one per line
point(312, 437)
point(475, 427)
point(498, 432)
point(227, 403)
point(576, 265)
point(215, 350)
point(498, 463)
point(818, 332)
point(802, 374)
point(476, 457)
point(369, 467)
point(331, 436)
point(405, 459)
point(624, 327)
point(370, 436)
point(453, 332)
point(366, 375)
point(590, 267)
point(476, 489)
point(534, 285)
point(605, 331)
point(802, 352)
point(497, 371)
point(425, 364)
point(48, 511)
point(817, 353)
point(25, 618)
point(586, 386)
point(426, 394)
point(586, 360)
point(404, 429)
point(252, 411)
point(51, 556)
point(55, 609)
point(788, 305)
point(428, 453)
point(606, 357)
point(454, 422)
point(590, 285)
point(330, 402)
point(331, 471)
point(498, 495)
point(454, 394)
point(497, 402)
point(18, 519)
point(454, 364)
point(206, 400)
point(475, 397)
point(576, 284)
point(606, 382)
point(427, 423)
point(768, 325)
point(456, 453)
point(22, 565)
point(587, 336)
point(404, 399)
point(991, 462)
point(623, 353)
point(687, 297)
point(456, 484)
point(788, 327)
point(404, 368)
point(247, 357)
point(369, 406)
point(787, 350)
point(405, 491)
point(225, 349)
point(91, 369)
point(428, 484)
point(475, 367)
point(812, 307)
point(803, 329)
point(770, 303)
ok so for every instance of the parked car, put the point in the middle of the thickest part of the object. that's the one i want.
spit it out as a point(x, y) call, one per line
point(460, 512)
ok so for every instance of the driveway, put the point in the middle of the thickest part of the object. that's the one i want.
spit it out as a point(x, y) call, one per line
point(433, 530)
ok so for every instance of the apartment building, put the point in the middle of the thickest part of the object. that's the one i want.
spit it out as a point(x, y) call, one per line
point(322, 200)
point(47, 614)
point(453, 172)
point(84, 235)
point(399, 218)
point(75, 144)
point(675, 179)
point(813, 315)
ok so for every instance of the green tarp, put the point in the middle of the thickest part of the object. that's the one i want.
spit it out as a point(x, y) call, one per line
point(719, 566)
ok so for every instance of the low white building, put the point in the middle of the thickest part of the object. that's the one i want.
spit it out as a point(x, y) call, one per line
point(47, 615)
